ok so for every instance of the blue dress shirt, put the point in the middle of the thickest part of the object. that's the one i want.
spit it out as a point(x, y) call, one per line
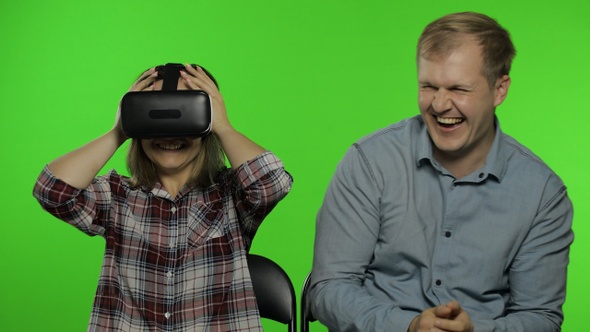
point(398, 234)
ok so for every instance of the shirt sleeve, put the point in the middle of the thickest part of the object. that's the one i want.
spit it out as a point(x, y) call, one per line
point(347, 231)
point(261, 183)
point(85, 209)
point(538, 274)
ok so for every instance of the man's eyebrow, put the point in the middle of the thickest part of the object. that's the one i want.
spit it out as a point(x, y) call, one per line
point(454, 86)
point(464, 86)
point(425, 83)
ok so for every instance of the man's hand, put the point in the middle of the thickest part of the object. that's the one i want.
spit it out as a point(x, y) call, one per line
point(443, 318)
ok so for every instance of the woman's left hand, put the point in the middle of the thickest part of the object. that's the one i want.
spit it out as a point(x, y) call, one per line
point(197, 79)
point(237, 147)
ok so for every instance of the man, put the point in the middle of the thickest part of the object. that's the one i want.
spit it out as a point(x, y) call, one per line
point(442, 222)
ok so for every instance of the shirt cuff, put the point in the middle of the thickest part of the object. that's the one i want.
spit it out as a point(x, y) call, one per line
point(400, 321)
point(52, 191)
point(254, 169)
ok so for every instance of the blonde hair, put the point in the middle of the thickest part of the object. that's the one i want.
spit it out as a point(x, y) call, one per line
point(209, 161)
point(447, 33)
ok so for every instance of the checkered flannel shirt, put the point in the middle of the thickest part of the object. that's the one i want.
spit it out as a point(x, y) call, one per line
point(172, 264)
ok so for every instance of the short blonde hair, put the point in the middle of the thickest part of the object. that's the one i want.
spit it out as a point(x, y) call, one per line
point(447, 33)
point(209, 162)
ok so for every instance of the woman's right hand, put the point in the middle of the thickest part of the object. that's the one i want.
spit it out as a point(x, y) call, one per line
point(145, 82)
point(79, 167)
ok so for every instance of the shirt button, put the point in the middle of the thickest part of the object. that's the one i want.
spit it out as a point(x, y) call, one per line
point(448, 234)
point(173, 209)
point(481, 175)
point(167, 315)
point(169, 274)
point(438, 282)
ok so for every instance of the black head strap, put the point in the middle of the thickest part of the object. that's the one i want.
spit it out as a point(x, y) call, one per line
point(171, 74)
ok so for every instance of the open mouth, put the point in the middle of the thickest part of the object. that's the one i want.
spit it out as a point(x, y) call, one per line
point(170, 146)
point(448, 122)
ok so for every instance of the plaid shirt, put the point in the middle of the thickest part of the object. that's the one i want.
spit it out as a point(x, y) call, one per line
point(172, 264)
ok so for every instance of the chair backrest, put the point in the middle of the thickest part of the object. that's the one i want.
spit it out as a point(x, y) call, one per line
point(306, 316)
point(274, 291)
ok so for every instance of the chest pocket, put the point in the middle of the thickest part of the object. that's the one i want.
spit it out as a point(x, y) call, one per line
point(206, 221)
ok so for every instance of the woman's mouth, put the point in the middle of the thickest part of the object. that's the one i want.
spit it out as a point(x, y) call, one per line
point(170, 146)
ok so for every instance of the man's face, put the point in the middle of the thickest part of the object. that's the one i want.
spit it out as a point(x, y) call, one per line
point(458, 105)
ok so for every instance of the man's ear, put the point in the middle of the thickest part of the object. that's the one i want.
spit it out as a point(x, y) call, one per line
point(501, 89)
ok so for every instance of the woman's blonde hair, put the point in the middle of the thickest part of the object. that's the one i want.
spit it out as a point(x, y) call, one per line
point(443, 36)
point(209, 161)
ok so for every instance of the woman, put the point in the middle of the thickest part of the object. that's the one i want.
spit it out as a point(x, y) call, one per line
point(177, 232)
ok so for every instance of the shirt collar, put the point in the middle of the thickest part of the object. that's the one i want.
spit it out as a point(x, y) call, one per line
point(424, 144)
point(159, 191)
point(496, 160)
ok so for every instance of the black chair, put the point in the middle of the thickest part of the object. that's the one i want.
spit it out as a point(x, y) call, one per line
point(306, 316)
point(274, 291)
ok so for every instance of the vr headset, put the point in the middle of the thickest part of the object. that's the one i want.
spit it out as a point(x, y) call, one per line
point(166, 113)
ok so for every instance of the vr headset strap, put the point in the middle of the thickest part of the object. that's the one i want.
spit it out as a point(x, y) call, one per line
point(171, 74)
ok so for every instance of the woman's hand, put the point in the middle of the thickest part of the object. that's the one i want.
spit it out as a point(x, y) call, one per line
point(197, 79)
point(237, 147)
point(145, 82)
point(79, 167)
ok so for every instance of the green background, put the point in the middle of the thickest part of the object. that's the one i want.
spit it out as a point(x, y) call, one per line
point(304, 79)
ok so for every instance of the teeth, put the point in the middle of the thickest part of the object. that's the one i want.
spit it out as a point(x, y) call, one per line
point(448, 121)
point(170, 146)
